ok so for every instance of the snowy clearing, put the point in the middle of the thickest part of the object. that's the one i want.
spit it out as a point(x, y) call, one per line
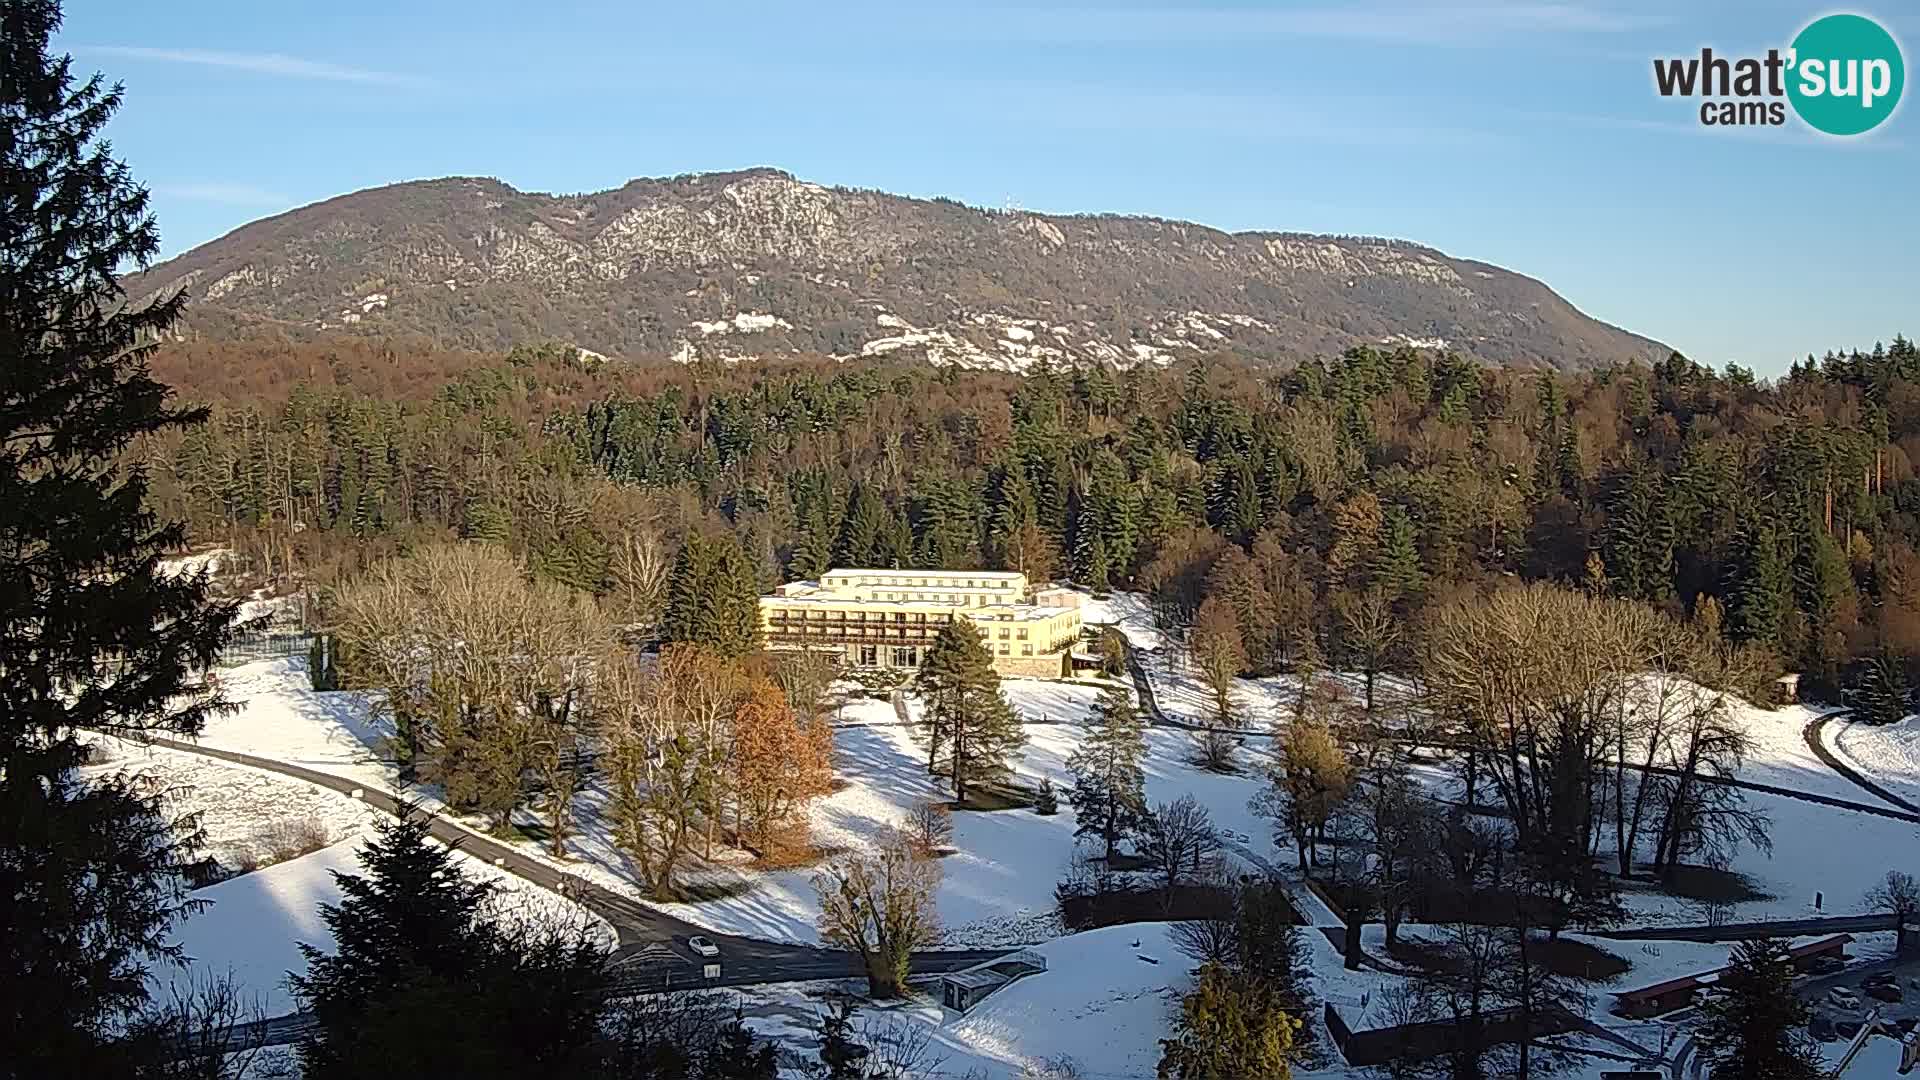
point(1888, 755)
point(1098, 1003)
point(256, 922)
point(233, 803)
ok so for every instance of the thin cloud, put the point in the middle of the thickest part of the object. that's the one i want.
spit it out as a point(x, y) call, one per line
point(1791, 133)
point(225, 194)
point(279, 65)
point(1436, 25)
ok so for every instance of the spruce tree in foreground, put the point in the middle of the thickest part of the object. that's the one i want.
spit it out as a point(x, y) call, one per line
point(1754, 1027)
point(424, 981)
point(1109, 794)
point(93, 634)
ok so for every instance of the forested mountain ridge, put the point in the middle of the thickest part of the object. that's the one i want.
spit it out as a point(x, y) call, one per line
point(757, 263)
point(1786, 514)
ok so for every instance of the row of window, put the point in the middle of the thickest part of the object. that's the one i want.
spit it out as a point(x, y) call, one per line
point(931, 583)
point(823, 614)
point(951, 600)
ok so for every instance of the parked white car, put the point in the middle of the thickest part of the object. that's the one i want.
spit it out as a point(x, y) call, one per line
point(707, 948)
point(1843, 998)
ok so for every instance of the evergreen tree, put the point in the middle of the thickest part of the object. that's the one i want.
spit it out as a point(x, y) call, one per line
point(486, 521)
point(93, 633)
point(1763, 589)
point(864, 532)
point(1754, 1027)
point(1109, 794)
point(1232, 1025)
point(1106, 528)
point(1046, 799)
point(841, 1054)
point(713, 597)
point(1396, 566)
point(967, 714)
point(417, 952)
point(1885, 694)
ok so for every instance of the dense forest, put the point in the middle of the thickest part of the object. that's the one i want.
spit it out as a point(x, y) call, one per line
point(1788, 508)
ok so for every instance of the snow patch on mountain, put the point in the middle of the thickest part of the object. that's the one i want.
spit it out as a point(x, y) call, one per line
point(745, 322)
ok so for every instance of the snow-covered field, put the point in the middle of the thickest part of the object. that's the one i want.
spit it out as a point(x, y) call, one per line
point(234, 804)
point(1099, 1004)
point(1127, 612)
point(280, 716)
point(1781, 757)
point(256, 922)
point(998, 885)
point(1103, 1003)
point(1888, 755)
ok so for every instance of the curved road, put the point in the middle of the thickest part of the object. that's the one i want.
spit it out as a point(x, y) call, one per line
point(652, 952)
point(1909, 812)
point(1813, 733)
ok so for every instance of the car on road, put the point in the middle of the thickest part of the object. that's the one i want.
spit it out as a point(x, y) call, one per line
point(707, 948)
point(1887, 990)
point(1843, 998)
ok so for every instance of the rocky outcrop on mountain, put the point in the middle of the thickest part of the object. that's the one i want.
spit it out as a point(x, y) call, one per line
point(757, 263)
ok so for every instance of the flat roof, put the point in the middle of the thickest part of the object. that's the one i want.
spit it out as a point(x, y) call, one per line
point(1000, 575)
point(982, 612)
point(976, 978)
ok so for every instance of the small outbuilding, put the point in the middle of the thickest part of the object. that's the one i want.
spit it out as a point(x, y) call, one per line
point(1786, 689)
point(962, 990)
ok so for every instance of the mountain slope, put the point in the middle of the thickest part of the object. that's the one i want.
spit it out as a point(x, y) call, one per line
point(757, 263)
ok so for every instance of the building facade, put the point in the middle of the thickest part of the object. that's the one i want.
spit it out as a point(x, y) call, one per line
point(889, 618)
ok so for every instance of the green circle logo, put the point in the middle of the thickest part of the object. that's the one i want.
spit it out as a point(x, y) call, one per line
point(1846, 74)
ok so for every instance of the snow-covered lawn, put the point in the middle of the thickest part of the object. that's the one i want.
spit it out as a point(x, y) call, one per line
point(1780, 755)
point(234, 804)
point(281, 716)
point(997, 887)
point(256, 922)
point(1816, 848)
point(1889, 755)
point(1126, 612)
point(1099, 1004)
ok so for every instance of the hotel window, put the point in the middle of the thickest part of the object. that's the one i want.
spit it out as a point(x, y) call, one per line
point(1003, 633)
point(1026, 650)
point(1003, 650)
point(1023, 634)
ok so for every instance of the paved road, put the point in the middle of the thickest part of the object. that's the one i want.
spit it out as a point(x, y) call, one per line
point(1909, 812)
point(1813, 732)
point(651, 953)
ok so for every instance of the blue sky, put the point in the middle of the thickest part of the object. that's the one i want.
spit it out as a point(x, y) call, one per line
point(1522, 134)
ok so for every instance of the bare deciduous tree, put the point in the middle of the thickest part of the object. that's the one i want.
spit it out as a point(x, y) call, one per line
point(204, 1029)
point(1179, 842)
point(930, 824)
point(1219, 655)
point(639, 566)
point(899, 1048)
point(1897, 894)
point(879, 904)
